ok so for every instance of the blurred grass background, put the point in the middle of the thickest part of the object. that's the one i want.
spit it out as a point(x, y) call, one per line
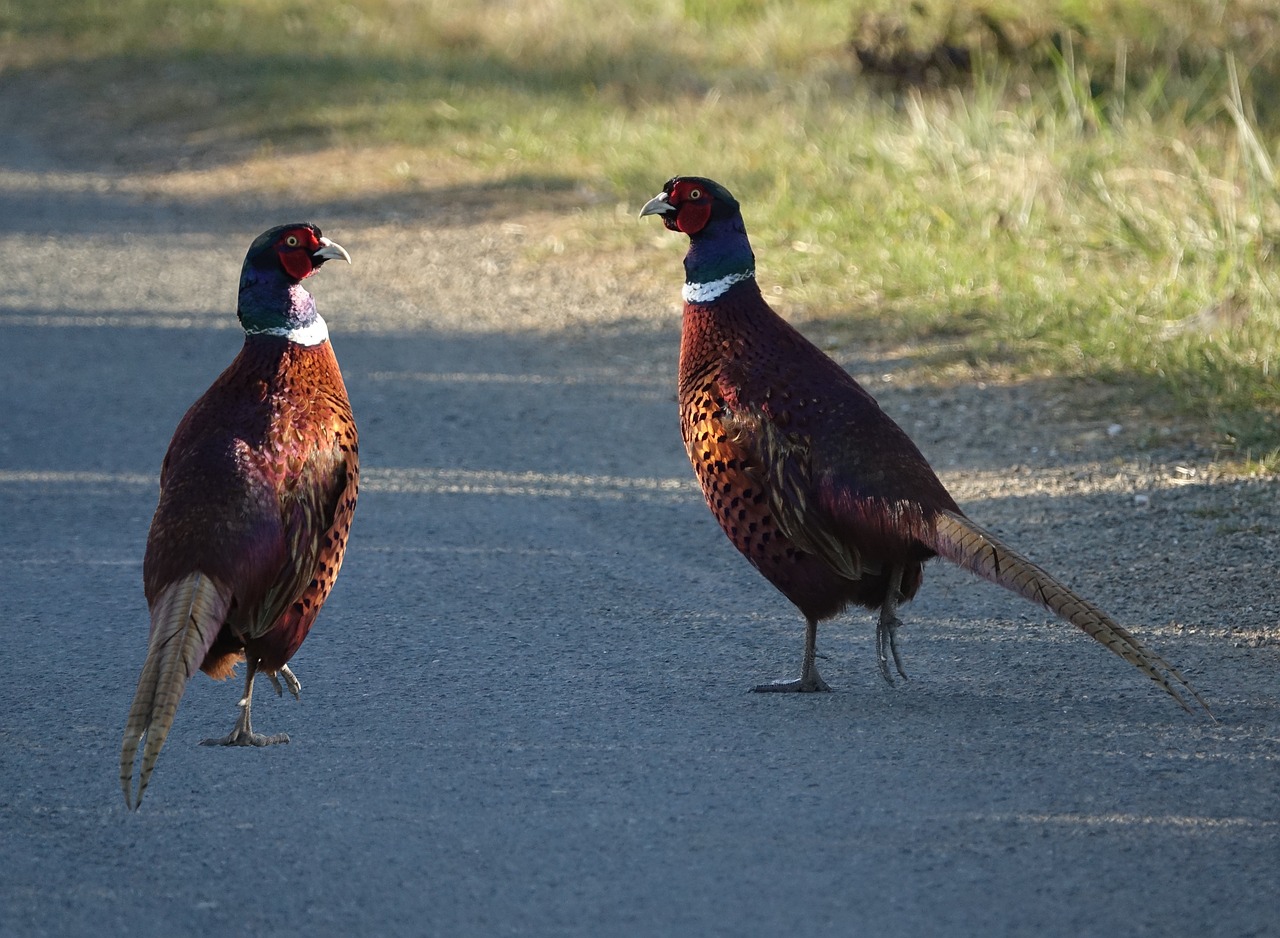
point(1082, 189)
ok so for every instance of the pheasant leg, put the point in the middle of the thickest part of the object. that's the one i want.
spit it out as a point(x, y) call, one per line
point(243, 734)
point(887, 629)
point(810, 680)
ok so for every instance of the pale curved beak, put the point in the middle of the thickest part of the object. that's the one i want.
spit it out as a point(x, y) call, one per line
point(330, 252)
point(658, 205)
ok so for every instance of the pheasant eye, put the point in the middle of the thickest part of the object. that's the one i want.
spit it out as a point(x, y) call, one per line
point(292, 241)
point(695, 193)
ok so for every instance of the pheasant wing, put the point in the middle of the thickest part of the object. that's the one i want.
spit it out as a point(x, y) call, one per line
point(309, 505)
point(782, 464)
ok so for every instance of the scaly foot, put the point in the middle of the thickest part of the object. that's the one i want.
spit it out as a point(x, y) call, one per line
point(887, 644)
point(811, 683)
point(887, 628)
point(239, 737)
point(243, 734)
point(290, 681)
point(810, 680)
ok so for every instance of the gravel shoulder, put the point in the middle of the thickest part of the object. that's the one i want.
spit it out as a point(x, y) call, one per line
point(524, 707)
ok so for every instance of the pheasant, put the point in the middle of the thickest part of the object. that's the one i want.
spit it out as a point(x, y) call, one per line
point(817, 487)
point(257, 492)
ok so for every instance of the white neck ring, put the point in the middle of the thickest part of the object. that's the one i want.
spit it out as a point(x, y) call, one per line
point(706, 292)
point(313, 333)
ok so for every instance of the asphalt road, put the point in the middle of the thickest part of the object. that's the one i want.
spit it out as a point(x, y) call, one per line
point(525, 706)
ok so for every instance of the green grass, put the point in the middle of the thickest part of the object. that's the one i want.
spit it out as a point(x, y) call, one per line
point(1097, 201)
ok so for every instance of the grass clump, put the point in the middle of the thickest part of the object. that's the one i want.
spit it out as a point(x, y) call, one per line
point(1083, 188)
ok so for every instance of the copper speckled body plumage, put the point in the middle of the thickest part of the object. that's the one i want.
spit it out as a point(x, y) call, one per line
point(257, 491)
point(734, 359)
point(271, 452)
point(814, 484)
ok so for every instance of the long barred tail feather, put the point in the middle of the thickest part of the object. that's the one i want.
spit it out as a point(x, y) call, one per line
point(967, 545)
point(185, 620)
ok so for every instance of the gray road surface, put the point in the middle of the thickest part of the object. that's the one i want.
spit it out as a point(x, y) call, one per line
point(525, 706)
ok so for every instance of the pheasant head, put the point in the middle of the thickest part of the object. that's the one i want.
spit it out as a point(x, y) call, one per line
point(719, 252)
point(272, 299)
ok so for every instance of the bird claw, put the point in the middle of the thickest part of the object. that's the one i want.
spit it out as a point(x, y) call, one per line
point(243, 734)
point(290, 680)
point(239, 737)
point(810, 680)
point(813, 683)
point(887, 641)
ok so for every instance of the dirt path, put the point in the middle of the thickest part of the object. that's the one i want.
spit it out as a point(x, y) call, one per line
point(524, 708)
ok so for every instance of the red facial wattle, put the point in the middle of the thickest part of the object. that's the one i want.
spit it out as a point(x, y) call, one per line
point(692, 217)
point(297, 262)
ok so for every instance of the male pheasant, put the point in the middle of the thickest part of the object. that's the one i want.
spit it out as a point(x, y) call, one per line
point(257, 491)
point(821, 491)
